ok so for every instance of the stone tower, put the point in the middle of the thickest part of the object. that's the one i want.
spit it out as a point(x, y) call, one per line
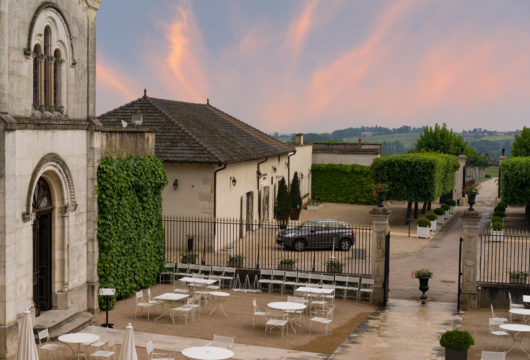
point(49, 150)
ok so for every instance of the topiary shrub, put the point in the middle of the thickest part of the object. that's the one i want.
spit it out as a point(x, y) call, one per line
point(496, 219)
point(456, 340)
point(499, 213)
point(296, 199)
point(282, 206)
point(502, 204)
point(431, 217)
point(423, 223)
point(439, 211)
point(450, 202)
point(497, 226)
point(445, 207)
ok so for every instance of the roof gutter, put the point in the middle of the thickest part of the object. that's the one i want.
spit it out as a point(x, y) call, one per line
point(258, 175)
point(289, 169)
point(223, 166)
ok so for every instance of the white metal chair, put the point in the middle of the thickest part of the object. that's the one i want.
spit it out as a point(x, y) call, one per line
point(303, 278)
point(256, 312)
point(490, 355)
point(222, 341)
point(215, 286)
point(181, 312)
point(141, 304)
point(367, 288)
point(277, 319)
point(514, 305)
point(107, 353)
point(46, 344)
point(315, 279)
point(277, 279)
point(182, 269)
point(495, 330)
point(265, 278)
point(290, 280)
point(493, 316)
point(194, 268)
point(168, 273)
point(151, 354)
point(325, 320)
point(299, 300)
point(205, 269)
point(154, 302)
point(229, 274)
point(194, 302)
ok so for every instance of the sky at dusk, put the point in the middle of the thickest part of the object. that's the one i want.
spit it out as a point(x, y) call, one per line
point(319, 66)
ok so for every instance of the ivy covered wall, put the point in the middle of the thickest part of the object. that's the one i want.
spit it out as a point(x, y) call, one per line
point(130, 231)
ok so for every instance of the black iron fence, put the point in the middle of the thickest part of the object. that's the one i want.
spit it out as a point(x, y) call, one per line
point(504, 257)
point(231, 242)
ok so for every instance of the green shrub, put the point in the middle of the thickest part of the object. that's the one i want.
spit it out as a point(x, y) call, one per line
point(497, 226)
point(296, 199)
point(445, 207)
point(450, 202)
point(456, 339)
point(287, 261)
point(515, 181)
point(499, 213)
point(502, 204)
point(236, 258)
point(130, 232)
point(439, 211)
point(333, 263)
point(431, 217)
point(282, 205)
point(496, 219)
point(342, 183)
point(423, 223)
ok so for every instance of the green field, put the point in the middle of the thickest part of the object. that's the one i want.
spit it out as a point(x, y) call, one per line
point(408, 140)
point(492, 171)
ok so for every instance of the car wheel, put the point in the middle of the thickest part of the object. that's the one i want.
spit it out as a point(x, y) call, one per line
point(299, 245)
point(344, 244)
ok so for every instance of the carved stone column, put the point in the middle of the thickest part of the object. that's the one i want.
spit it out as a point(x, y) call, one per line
point(50, 102)
point(470, 234)
point(380, 217)
point(42, 105)
point(59, 80)
point(459, 180)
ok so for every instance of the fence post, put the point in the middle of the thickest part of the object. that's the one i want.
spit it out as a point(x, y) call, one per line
point(470, 234)
point(380, 217)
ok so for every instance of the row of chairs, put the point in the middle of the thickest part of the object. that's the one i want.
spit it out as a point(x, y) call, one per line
point(354, 285)
point(174, 271)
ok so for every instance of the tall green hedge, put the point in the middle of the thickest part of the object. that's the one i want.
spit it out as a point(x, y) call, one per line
point(342, 183)
point(130, 231)
point(515, 181)
point(416, 176)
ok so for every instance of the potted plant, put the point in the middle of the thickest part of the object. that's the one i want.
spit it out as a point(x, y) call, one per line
point(286, 264)
point(456, 343)
point(379, 190)
point(500, 213)
point(423, 275)
point(439, 215)
point(471, 191)
point(497, 219)
point(497, 231)
point(432, 218)
point(423, 229)
point(333, 266)
point(188, 258)
point(517, 277)
point(235, 261)
point(282, 205)
point(446, 208)
point(452, 204)
point(296, 199)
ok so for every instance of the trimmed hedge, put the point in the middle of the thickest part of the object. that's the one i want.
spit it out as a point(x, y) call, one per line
point(417, 176)
point(342, 183)
point(515, 181)
point(431, 216)
point(423, 222)
point(130, 231)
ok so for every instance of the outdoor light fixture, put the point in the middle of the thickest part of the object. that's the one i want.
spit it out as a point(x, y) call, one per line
point(233, 181)
point(175, 184)
point(274, 169)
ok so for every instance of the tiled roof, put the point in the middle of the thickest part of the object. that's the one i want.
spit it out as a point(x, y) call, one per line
point(188, 132)
point(346, 148)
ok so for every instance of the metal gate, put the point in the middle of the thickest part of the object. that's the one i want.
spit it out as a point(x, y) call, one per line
point(387, 269)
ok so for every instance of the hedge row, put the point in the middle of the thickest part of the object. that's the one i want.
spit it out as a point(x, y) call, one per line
point(417, 176)
point(130, 231)
point(515, 181)
point(342, 183)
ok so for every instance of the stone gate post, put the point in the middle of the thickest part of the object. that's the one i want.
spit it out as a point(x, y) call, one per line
point(470, 234)
point(380, 217)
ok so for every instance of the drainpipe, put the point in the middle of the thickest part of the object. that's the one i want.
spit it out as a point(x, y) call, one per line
point(289, 169)
point(258, 174)
point(223, 166)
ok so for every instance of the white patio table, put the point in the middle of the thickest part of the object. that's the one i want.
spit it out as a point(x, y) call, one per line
point(519, 311)
point(516, 330)
point(289, 307)
point(207, 353)
point(78, 338)
point(169, 298)
point(218, 296)
point(191, 280)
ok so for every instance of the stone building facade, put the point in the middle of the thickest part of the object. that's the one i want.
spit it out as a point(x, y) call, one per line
point(50, 144)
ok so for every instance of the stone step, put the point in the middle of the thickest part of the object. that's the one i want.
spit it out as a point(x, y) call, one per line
point(59, 322)
point(80, 321)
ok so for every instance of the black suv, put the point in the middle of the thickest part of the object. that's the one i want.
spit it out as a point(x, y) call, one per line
point(318, 233)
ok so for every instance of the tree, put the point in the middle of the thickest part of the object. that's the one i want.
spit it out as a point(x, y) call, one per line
point(282, 206)
point(296, 199)
point(521, 145)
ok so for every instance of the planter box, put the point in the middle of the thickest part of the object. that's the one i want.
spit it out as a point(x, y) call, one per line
point(452, 209)
point(314, 207)
point(440, 219)
point(451, 354)
point(497, 236)
point(288, 267)
point(519, 280)
point(433, 225)
point(447, 214)
point(423, 232)
point(235, 264)
point(333, 269)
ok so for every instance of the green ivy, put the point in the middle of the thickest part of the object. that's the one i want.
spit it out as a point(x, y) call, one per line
point(342, 183)
point(130, 231)
point(515, 181)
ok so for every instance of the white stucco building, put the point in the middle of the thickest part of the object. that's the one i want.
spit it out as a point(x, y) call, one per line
point(345, 153)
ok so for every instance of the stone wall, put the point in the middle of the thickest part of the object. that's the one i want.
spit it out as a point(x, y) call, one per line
point(475, 172)
point(124, 142)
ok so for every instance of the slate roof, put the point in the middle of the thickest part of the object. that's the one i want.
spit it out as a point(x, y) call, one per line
point(189, 132)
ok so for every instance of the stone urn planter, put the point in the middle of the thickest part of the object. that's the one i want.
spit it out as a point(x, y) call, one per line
point(189, 259)
point(286, 267)
point(235, 261)
point(334, 266)
point(424, 287)
point(518, 280)
point(471, 200)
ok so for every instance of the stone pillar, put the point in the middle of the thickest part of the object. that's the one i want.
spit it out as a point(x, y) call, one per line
point(51, 84)
point(42, 104)
point(470, 234)
point(380, 217)
point(4, 56)
point(59, 95)
point(459, 180)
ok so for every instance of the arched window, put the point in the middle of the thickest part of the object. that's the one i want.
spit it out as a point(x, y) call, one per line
point(36, 54)
point(47, 75)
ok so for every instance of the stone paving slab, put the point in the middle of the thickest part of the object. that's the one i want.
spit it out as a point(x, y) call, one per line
point(178, 343)
point(404, 330)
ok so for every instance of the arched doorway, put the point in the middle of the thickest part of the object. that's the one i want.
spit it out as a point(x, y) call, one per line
point(42, 246)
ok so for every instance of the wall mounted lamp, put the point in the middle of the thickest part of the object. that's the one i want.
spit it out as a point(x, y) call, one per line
point(274, 169)
point(233, 181)
point(175, 184)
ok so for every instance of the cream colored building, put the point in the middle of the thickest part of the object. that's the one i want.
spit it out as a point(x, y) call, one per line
point(217, 166)
point(345, 153)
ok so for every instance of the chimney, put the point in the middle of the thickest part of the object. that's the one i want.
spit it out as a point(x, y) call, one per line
point(300, 139)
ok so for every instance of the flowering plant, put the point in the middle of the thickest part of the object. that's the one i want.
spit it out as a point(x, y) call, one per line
point(381, 187)
point(421, 273)
point(517, 274)
point(471, 188)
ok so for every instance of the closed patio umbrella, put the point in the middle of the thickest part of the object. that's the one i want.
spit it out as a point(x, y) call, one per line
point(27, 349)
point(128, 349)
